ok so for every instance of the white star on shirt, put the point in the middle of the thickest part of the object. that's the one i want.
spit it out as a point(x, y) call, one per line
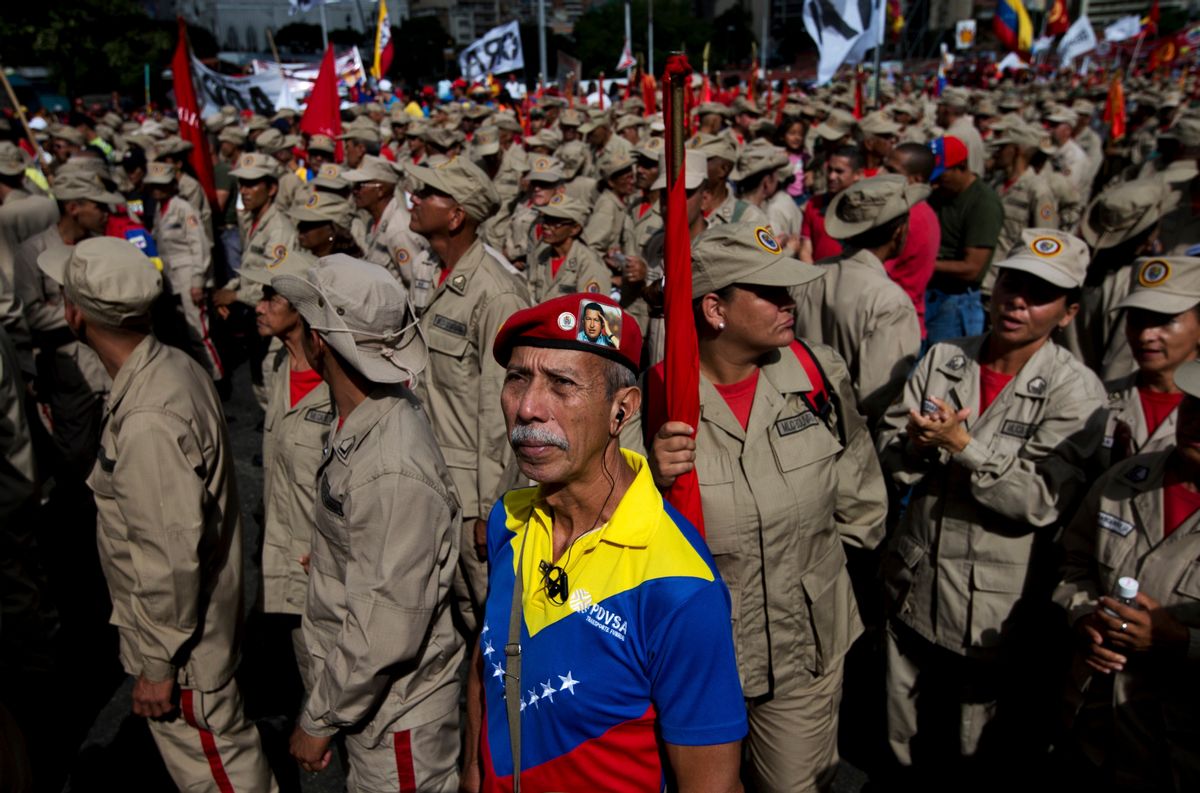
point(485, 629)
point(568, 683)
point(497, 670)
point(533, 698)
point(548, 690)
point(488, 649)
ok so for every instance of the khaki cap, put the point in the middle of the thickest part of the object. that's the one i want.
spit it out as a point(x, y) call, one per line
point(1187, 377)
point(650, 149)
point(464, 181)
point(476, 112)
point(630, 122)
point(286, 114)
point(714, 146)
point(596, 119)
point(507, 122)
point(563, 206)
point(288, 262)
point(1121, 212)
point(399, 117)
point(173, 145)
point(229, 110)
point(254, 165)
point(837, 125)
point(361, 129)
point(1186, 130)
point(76, 186)
point(160, 173)
point(546, 138)
point(955, 97)
point(69, 134)
point(1164, 285)
point(757, 158)
point(363, 313)
point(573, 155)
point(714, 109)
point(232, 134)
point(985, 107)
point(1084, 107)
point(549, 100)
point(322, 143)
point(878, 123)
point(271, 141)
point(13, 161)
point(546, 169)
point(416, 129)
point(322, 207)
point(869, 203)
point(372, 169)
point(215, 123)
point(441, 137)
point(1022, 135)
point(1053, 256)
point(613, 163)
point(170, 124)
point(112, 119)
point(743, 253)
point(570, 118)
point(108, 278)
point(744, 105)
point(695, 170)
point(1061, 115)
point(257, 122)
point(486, 141)
point(331, 176)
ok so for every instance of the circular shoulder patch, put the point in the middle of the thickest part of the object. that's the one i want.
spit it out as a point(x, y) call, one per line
point(1154, 272)
point(566, 320)
point(278, 255)
point(556, 199)
point(1046, 212)
point(312, 201)
point(247, 160)
point(767, 240)
point(541, 164)
point(1046, 246)
point(329, 170)
point(402, 255)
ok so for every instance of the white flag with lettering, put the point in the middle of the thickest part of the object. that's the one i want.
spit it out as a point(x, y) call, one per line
point(1078, 40)
point(844, 31)
point(499, 51)
point(1124, 28)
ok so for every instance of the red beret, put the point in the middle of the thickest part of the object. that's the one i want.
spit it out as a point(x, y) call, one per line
point(564, 324)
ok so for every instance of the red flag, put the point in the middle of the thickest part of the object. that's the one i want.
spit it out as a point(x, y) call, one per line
point(650, 94)
point(681, 363)
point(1154, 13)
point(188, 112)
point(783, 95)
point(705, 92)
point(1058, 21)
point(322, 115)
point(1114, 108)
point(858, 93)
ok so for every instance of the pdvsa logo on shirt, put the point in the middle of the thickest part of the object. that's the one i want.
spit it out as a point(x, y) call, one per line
point(598, 616)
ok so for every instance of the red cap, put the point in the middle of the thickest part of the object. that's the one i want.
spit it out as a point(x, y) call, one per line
point(585, 321)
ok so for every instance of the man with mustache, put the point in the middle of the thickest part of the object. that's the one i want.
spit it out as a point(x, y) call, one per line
point(620, 653)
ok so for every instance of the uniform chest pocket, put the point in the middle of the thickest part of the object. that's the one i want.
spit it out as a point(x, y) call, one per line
point(1189, 584)
point(801, 439)
point(447, 337)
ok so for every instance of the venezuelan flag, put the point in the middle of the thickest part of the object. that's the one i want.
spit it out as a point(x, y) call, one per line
point(1012, 26)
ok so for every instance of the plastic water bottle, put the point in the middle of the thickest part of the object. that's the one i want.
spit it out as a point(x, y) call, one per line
point(1124, 592)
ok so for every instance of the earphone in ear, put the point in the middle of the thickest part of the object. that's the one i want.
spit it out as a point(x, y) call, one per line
point(620, 415)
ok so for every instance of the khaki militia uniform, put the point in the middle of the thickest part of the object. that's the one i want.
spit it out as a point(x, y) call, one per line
point(581, 271)
point(780, 498)
point(609, 226)
point(1138, 725)
point(970, 567)
point(405, 255)
point(71, 380)
point(783, 215)
point(170, 538)
point(869, 320)
point(294, 439)
point(385, 653)
point(293, 191)
point(735, 210)
point(1028, 204)
point(21, 216)
point(1097, 334)
point(192, 191)
point(263, 244)
point(644, 225)
point(965, 130)
point(461, 386)
point(520, 235)
point(187, 259)
point(1126, 433)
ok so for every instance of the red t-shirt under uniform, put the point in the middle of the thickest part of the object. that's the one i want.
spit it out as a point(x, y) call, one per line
point(813, 227)
point(740, 397)
point(1156, 406)
point(1179, 503)
point(991, 383)
point(301, 383)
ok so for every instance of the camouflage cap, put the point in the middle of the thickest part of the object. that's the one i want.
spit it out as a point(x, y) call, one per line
point(109, 279)
point(743, 253)
point(869, 203)
point(1164, 285)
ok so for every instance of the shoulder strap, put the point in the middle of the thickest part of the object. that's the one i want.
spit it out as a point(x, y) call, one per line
point(512, 674)
point(822, 399)
point(739, 209)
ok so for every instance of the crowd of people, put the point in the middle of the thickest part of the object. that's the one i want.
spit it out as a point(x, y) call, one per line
point(948, 452)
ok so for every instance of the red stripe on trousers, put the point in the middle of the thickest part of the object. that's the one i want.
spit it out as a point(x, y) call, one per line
point(208, 742)
point(404, 762)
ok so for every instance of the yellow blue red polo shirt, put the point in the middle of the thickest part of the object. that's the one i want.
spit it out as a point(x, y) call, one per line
point(642, 647)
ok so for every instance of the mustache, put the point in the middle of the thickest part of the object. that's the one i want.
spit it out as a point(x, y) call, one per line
point(525, 434)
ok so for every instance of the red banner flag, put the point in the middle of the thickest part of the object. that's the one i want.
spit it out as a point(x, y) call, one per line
point(649, 94)
point(188, 113)
point(1058, 21)
point(681, 363)
point(858, 93)
point(1114, 108)
point(322, 115)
